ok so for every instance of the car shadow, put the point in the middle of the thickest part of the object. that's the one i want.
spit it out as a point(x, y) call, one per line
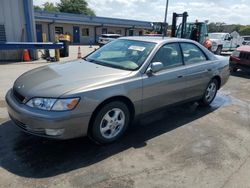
point(30, 156)
point(242, 74)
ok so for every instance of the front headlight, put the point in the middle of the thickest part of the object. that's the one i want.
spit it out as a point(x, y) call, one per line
point(51, 104)
point(214, 44)
point(236, 53)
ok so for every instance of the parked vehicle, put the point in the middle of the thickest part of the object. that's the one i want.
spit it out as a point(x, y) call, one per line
point(223, 42)
point(197, 31)
point(246, 40)
point(240, 59)
point(100, 95)
point(106, 38)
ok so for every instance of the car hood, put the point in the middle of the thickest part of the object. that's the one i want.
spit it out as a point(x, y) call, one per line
point(58, 79)
point(244, 48)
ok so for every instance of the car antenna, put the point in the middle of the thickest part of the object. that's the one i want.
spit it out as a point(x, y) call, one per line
point(165, 20)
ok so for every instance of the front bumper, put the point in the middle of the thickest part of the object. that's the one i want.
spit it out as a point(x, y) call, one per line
point(37, 122)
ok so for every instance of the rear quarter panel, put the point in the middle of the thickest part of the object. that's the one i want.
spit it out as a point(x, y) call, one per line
point(222, 69)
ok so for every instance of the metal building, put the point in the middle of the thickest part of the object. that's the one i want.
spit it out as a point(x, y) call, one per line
point(16, 25)
point(19, 23)
point(85, 29)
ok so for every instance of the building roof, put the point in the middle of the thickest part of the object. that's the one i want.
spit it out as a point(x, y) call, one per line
point(58, 17)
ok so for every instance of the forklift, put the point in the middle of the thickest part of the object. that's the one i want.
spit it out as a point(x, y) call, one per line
point(196, 31)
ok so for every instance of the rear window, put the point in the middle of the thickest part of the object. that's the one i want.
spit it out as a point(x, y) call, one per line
point(192, 54)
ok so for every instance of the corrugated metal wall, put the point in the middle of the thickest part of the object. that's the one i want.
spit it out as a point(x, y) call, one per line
point(12, 18)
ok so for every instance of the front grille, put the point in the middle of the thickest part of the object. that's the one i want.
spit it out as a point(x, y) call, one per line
point(245, 55)
point(18, 96)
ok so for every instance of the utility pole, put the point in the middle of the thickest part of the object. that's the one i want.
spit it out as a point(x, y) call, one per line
point(165, 20)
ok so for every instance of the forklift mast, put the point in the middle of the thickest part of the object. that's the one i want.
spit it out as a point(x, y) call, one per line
point(174, 22)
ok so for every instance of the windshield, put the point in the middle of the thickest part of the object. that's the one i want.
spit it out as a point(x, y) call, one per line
point(215, 36)
point(122, 54)
point(246, 38)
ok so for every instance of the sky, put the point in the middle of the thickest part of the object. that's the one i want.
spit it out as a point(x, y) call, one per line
point(228, 11)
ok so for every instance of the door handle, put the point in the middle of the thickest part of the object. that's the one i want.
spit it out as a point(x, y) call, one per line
point(209, 70)
point(180, 76)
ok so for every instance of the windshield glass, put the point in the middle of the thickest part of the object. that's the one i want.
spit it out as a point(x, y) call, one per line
point(215, 36)
point(246, 38)
point(122, 54)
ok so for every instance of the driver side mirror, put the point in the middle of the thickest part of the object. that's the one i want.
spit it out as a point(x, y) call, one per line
point(155, 67)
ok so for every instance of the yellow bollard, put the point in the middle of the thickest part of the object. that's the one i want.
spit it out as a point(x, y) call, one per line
point(57, 52)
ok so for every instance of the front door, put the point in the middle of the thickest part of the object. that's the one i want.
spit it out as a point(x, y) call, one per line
point(76, 34)
point(168, 85)
point(227, 43)
point(39, 33)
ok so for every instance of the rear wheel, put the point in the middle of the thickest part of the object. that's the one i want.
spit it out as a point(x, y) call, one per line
point(210, 93)
point(110, 122)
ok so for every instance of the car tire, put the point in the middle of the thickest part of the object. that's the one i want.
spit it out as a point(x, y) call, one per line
point(210, 93)
point(110, 122)
point(233, 69)
point(219, 50)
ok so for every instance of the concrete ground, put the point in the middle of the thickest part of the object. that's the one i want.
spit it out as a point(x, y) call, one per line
point(73, 52)
point(186, 146)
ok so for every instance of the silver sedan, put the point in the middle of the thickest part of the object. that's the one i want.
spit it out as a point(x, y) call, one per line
point(100, 95)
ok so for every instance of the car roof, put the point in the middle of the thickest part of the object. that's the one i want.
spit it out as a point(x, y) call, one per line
point(155, 39)
point(162, 41)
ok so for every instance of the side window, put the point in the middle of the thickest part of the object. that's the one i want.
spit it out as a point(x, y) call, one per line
point(169, 55)
point(192, 54)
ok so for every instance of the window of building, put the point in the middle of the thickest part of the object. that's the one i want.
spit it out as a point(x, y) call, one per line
point(104, 31)
point(131, 32)
point(85, 32)
point(59, 30)
point(119, 32)
point(2, 33)
point(192, 54)
point(169, 55)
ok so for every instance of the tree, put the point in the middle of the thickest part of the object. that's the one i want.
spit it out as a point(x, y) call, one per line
point(50, 7)
point(37, 8)
point(245, 30)
point(212, 28)
point(76, 7)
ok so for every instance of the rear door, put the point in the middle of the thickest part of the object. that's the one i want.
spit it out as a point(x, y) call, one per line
point(168, 85)
point(198, 70)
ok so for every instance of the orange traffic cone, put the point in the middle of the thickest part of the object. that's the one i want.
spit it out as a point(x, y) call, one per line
point(79, 54)
point(26, 56)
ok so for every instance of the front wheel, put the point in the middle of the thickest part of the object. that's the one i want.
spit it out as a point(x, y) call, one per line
point(210, 93)
point(110, 122)
point(219, 50)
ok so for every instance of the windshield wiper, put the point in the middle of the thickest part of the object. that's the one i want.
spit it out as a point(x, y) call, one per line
point(106, 64)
